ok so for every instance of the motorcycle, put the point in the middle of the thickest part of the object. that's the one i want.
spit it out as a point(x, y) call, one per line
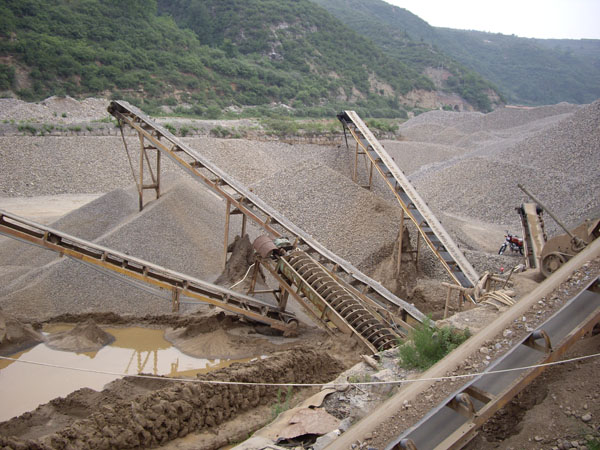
point(515, 242)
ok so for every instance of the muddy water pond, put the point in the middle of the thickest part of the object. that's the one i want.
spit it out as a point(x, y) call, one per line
point(135, 350)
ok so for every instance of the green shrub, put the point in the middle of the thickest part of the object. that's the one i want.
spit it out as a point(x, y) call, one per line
point(382, 125)
point(220, 131)
point(284, 405)
point(213, 112)
point(281, 127)
point(427, 345)
point(26, 128)
point(171, 128)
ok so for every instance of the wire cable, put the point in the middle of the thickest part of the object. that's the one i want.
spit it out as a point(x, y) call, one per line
point(331, 384)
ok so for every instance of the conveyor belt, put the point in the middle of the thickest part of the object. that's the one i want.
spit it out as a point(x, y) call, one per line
point(454, 422)
point(414, 206)
point(145, 273)
point(245, 202)
point(534, 236)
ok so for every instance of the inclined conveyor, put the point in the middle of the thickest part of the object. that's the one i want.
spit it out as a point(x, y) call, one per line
point(153, 276)
point(454, 422)
point(430, 229)
point(240, 200)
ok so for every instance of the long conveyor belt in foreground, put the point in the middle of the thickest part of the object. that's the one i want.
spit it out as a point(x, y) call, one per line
point(454, 422)
point(245, 202)
point(414, 206)
point(144, 273)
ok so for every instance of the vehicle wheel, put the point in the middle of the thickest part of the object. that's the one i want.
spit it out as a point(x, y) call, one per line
point(502, 248)
point(521, 251)
point(551, 263)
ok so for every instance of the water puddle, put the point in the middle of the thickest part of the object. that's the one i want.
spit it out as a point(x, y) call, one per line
point(135, 350)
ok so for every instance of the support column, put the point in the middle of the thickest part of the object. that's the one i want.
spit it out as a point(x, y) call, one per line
point(226, 238)
point(418, 249)
point(355, 173)
point(175, 297)
point(141, 173)
point(399, 263)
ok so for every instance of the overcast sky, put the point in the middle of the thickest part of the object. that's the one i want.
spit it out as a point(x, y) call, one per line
point(544, 19)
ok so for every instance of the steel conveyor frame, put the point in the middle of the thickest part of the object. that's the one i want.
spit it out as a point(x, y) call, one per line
point(432, 231)
point(243, 201)
point(121, 265)
point(454, 422)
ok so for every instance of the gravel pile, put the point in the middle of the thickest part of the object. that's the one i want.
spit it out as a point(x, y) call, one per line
point(465, 165)
point(553, 150)
point(63, 110)
point(34, 165)
point(251, 161)
point(348, 220)
point(183, 231)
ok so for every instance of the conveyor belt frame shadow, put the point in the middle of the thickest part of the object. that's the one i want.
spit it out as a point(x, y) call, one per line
point(430, 229)
point(240, 200)
point(454, 422)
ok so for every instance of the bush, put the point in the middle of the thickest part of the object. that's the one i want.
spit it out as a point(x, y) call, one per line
point(382, 125)
point(281, 127)
point(213, 112)
point(7, 77)
point(428, 345)
point(27, 128)
point(282, 404)
point(220, 131)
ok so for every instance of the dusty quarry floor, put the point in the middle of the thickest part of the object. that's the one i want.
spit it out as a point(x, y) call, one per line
point(465, 165)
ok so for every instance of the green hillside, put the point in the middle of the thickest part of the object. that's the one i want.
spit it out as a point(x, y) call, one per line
point(528, 71)
point(393, 29)
point(203, 54)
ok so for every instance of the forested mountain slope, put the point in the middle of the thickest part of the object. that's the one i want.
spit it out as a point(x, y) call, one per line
point(393, 29)
point(204, 54)
point(528, 71)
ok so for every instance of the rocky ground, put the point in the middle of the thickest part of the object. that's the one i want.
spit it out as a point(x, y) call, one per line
point(465, 165)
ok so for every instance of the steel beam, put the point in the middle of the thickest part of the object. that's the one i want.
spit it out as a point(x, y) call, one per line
point(244, 201)
point(145, 273)
point(429, 228)
point(445, 428)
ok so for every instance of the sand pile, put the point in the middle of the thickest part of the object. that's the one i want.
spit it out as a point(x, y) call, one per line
point(352, 222)
point(85, 337)
point(554, 150)
point(54, 110)
point(182, 231)
point(15, 336)
point(241, 258)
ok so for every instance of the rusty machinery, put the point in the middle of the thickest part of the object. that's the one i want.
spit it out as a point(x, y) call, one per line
point(393, 314)
point(548, 255)
point(325, 298)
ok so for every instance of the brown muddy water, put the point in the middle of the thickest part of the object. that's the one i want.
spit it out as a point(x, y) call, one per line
point(135, 350)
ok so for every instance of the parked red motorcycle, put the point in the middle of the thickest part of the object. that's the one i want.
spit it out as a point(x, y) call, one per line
point(515, 242)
